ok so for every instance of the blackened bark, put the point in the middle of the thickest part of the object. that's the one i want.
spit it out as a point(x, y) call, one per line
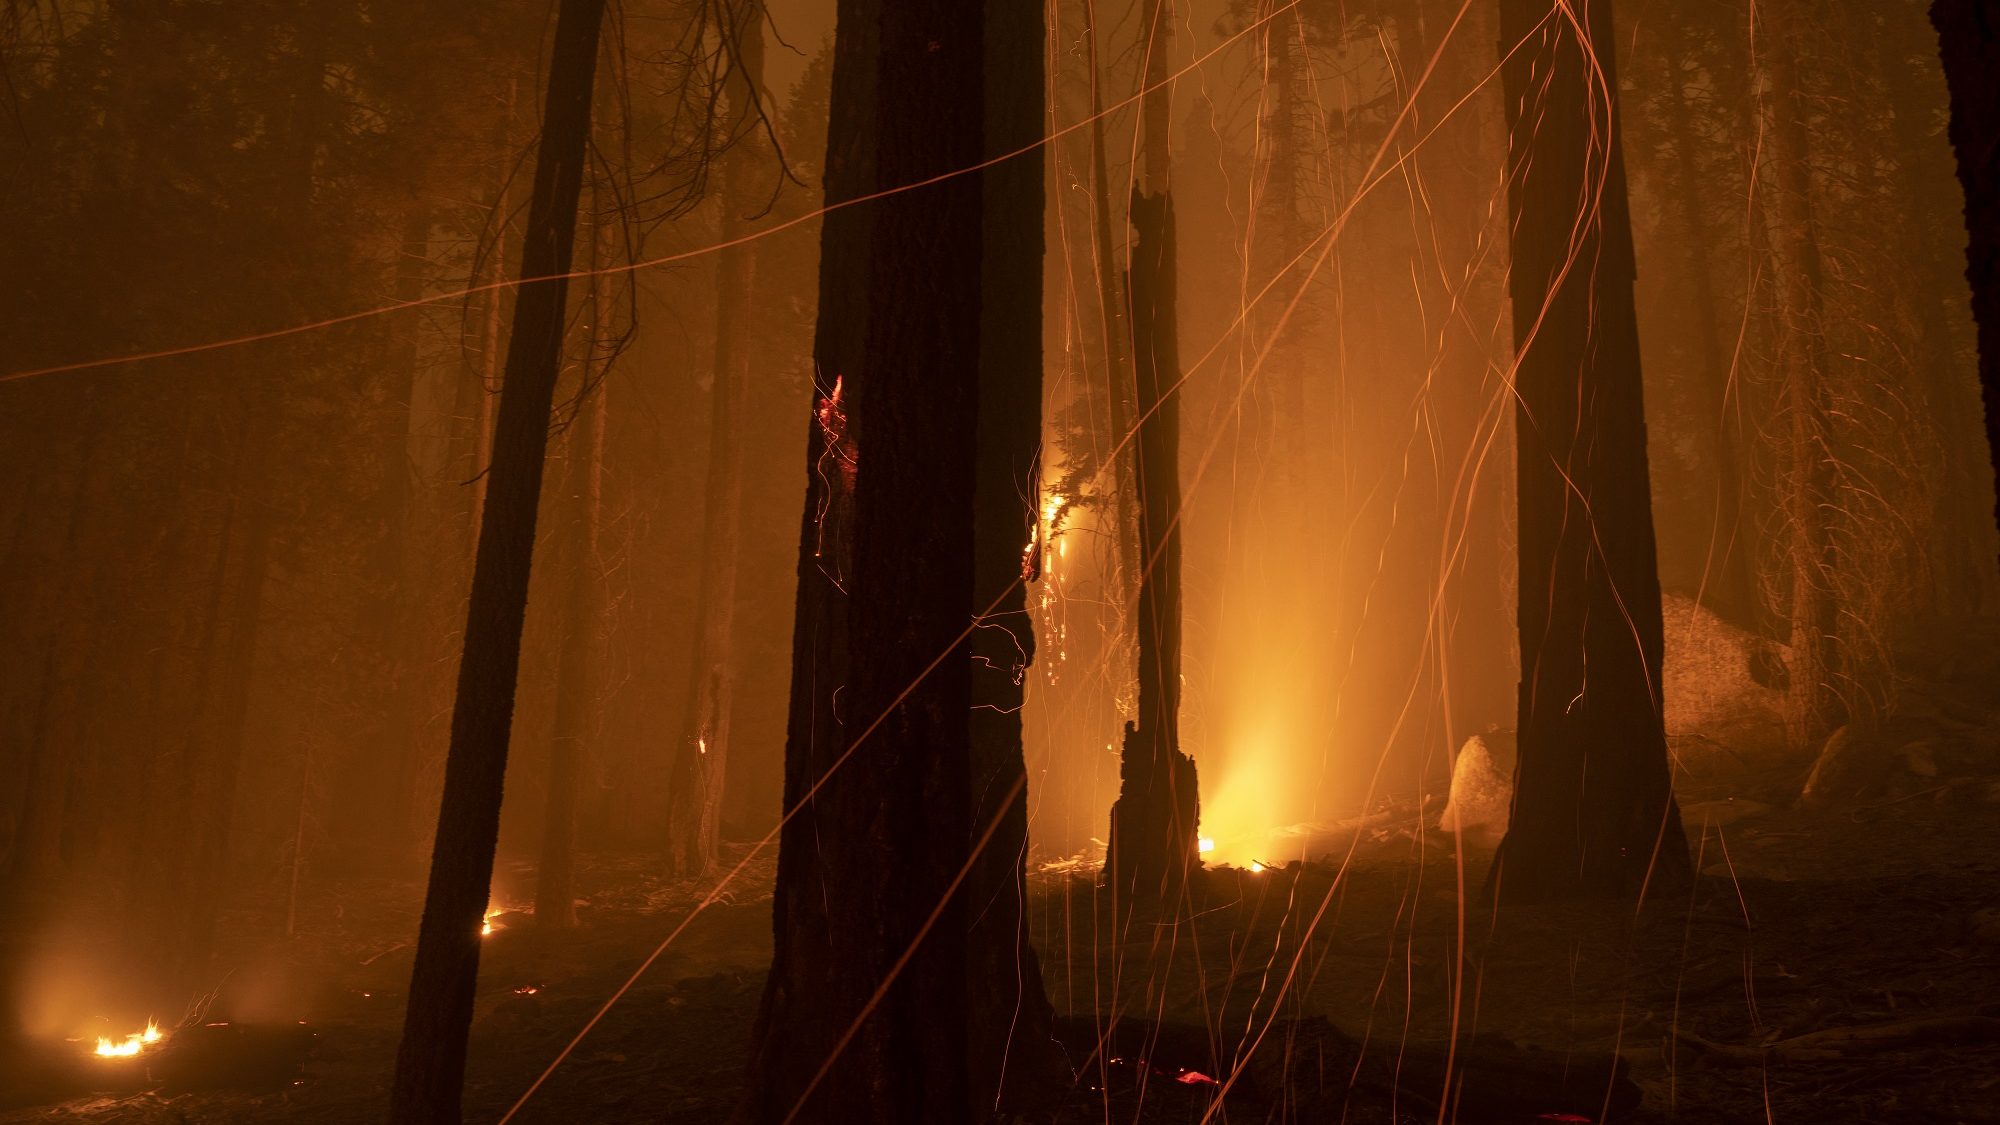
point(1004, 975)
point(1594, 813)
point(430, 1062)
point(1154, 848)
point(1969, 35)
point(1153, 844)
point(868, 1012)
point(701, 756)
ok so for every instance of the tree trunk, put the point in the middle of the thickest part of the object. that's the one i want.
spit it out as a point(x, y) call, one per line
point(873, 1008)
point(1969, 34)
point(576, 665)
point(1153, 847)
point(1813, 665)
point(1594, 814)
point(701, 756)
point(430, 1062)
point(1015, 1057)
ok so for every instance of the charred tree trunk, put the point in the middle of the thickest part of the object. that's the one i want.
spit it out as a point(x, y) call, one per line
point(430, 1062)
point(875, 1005)
point(1014, 1057)
point(1154, 849)
point(1969, 34)
point(1594, 813)
point(1813, 666)
point(701, 756)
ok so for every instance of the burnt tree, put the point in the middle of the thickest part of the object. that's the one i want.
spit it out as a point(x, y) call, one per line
point(430, 1061)
point(700, 757)
point(1594, 813)
point(1969, 34)
point(1153, 847)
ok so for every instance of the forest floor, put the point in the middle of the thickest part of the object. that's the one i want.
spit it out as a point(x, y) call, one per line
point(1868, 914)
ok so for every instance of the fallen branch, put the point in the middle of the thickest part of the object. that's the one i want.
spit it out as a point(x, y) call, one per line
point(1971, 1025)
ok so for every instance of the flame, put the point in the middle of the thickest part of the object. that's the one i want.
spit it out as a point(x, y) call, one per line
point(132, 1045)
point(1256, 868)
point(1205, 844)
point(486, 926)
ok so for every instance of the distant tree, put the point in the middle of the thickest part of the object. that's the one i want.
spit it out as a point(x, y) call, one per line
point(1594, 813)
point(430, 1062)
point(577, 695)
point(700, 758)
point(1814, 667)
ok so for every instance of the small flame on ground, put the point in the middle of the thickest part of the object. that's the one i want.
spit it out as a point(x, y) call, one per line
point(133, 1044)
point(1256, 868)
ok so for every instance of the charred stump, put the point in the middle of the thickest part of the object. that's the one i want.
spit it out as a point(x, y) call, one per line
point(1154, 846)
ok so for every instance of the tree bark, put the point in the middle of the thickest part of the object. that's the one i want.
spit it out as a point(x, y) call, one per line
point(875, 1005)
point(1969, 35)
point(1594, 813)
point(701, 756)
point(430, 1062)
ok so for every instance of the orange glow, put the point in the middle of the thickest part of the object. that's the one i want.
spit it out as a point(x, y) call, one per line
point(132, 1045)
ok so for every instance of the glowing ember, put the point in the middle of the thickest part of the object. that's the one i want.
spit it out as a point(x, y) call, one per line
point(1195, 1078)
point(134, 1043)
point(1205, 844)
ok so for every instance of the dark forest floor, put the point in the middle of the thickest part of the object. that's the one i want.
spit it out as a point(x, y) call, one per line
point(1800, 921)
